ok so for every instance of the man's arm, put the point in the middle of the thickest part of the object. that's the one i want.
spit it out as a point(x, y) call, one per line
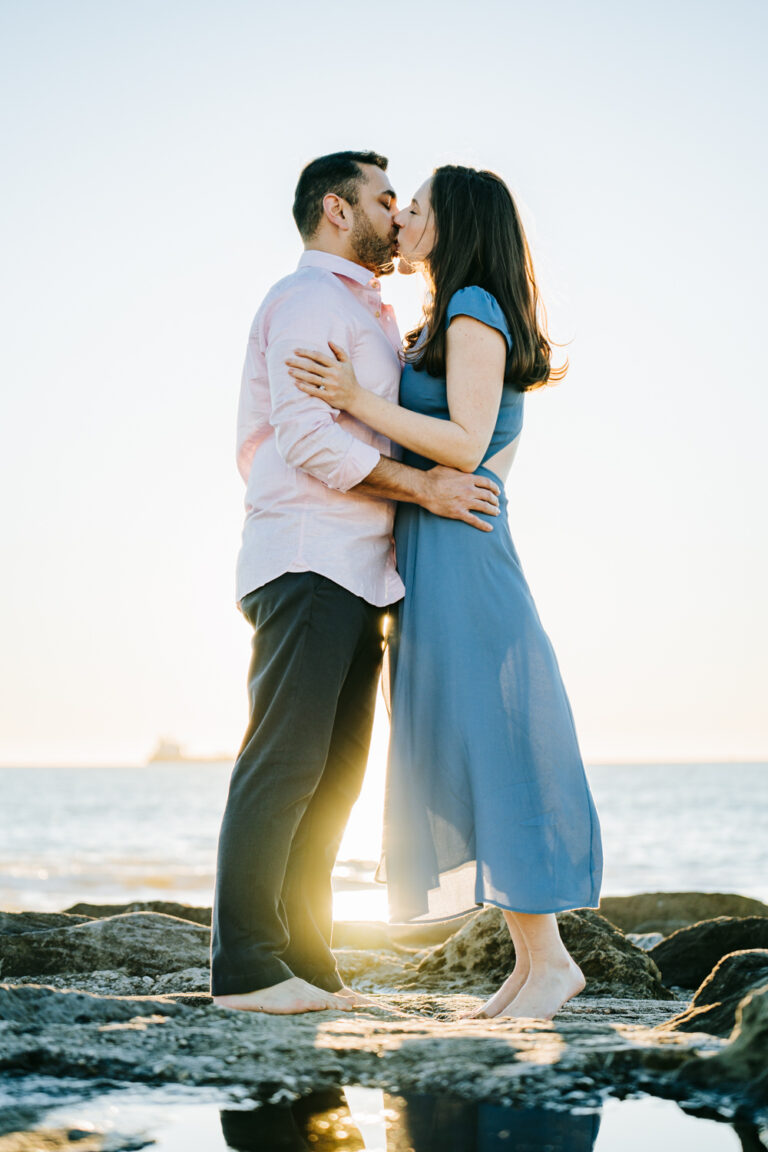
point(307, 436)
point(306, 433)
point(444, 491)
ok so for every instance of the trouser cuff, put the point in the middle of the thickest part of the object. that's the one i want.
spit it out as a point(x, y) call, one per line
point(238, 983)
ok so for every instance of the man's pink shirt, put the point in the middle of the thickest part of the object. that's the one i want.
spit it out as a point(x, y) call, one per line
point(299, 458)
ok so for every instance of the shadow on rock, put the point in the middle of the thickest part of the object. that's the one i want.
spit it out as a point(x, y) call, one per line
point(713, 1008)
point(743, 1064)
point(687, 957)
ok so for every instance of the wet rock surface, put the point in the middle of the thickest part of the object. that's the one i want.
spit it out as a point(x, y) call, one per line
point(482, 952)
point(687, 957)
point(665, 912)
point(419, 1043)
point(713, 1008)
point(125, 999)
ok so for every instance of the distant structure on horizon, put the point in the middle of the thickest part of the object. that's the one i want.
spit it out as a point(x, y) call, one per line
point(171, 752)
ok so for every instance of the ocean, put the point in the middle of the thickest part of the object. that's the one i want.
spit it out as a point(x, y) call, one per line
point(116, 834)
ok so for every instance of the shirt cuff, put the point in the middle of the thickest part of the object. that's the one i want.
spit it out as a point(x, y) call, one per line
point(359, 461)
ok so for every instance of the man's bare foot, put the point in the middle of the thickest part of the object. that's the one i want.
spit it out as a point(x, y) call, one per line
point(504, 996)
point(546, 990)
point(285, 999)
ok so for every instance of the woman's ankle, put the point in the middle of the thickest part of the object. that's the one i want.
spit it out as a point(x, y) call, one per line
point(549, 962)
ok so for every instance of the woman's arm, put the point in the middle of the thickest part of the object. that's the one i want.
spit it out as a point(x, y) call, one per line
point(475, 356)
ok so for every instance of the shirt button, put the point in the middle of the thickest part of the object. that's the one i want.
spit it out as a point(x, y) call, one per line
point(377, 313)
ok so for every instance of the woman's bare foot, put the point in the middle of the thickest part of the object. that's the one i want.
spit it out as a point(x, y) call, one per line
point(545, 991)
point(285, 999)
point(503, 996)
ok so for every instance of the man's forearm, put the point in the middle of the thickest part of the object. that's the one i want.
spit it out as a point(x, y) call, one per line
point(443, 491)
point(395, 481)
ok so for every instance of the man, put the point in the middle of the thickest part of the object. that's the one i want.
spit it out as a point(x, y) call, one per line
point(316, 573)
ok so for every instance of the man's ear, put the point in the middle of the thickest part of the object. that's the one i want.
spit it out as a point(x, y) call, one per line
point(336, 211)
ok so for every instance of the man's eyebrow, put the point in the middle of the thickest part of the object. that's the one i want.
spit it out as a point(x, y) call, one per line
point(389, 192)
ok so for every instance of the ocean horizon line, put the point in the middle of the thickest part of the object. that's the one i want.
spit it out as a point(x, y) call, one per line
point(201, 760)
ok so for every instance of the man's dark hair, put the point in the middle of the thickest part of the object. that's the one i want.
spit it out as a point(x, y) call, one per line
point(340, 173)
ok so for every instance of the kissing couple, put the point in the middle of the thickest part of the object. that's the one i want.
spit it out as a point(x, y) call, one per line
point(374, 472)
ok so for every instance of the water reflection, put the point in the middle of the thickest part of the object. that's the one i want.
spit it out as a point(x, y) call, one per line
point(409, 1123)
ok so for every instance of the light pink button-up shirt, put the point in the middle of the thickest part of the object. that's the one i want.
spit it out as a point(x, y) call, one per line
point(298, 457)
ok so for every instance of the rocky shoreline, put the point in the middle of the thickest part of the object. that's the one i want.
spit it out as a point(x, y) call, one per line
point(676, 1004)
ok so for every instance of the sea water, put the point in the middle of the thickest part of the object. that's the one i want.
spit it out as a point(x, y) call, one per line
point(117, 834)
point(187, 1120)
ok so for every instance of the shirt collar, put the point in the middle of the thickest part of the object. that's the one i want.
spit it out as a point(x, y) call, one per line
point(337, 264)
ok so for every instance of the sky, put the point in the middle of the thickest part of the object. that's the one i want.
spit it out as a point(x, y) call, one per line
point(149, 158)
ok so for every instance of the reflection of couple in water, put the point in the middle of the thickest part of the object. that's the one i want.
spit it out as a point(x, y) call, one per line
point(375, 489)
point(323, 1123)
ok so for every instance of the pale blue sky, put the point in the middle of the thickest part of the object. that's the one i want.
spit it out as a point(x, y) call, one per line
point(149, 158)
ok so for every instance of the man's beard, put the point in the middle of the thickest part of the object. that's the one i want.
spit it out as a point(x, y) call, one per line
point(372, 250)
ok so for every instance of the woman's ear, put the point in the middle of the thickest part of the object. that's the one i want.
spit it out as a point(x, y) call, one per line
point(336, 211)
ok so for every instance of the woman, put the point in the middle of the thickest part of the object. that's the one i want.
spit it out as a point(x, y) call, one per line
point(487, 800)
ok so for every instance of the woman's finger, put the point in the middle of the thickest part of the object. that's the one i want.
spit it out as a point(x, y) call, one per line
point(318, 357)
point(309, 377)
point(338, 352)
point(308, 365)
point(313, 390)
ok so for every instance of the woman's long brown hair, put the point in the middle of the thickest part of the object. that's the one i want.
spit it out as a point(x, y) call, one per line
point(479, 240)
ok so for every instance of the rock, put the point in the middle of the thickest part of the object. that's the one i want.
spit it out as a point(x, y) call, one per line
point(611, 964)
point(35, 1004)
point(421, 1045)
point(165, 907)
point(372, 971)
point(713, 1008)
point(15, 923)
point(665, 912)
point(189, 980)
point(687, 957)
point(480, 956)
point(139, 943)
point(742, 1066)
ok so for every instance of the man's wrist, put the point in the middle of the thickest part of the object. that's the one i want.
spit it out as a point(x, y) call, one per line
point(424, 486)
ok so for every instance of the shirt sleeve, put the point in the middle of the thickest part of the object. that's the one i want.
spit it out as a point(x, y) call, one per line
point(306, 433)
point(480, 305)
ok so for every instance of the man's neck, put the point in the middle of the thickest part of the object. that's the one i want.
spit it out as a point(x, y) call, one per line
point(319, 247)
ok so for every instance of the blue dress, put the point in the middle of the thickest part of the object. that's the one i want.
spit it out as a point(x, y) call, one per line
point(487, 801)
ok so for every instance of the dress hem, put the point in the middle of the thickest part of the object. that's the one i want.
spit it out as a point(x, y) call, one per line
point(426, 919)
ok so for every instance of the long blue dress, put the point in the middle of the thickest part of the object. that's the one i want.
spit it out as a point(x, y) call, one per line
point(487, 801)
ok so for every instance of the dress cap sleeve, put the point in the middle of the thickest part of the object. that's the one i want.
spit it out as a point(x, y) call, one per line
point(480, 305)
